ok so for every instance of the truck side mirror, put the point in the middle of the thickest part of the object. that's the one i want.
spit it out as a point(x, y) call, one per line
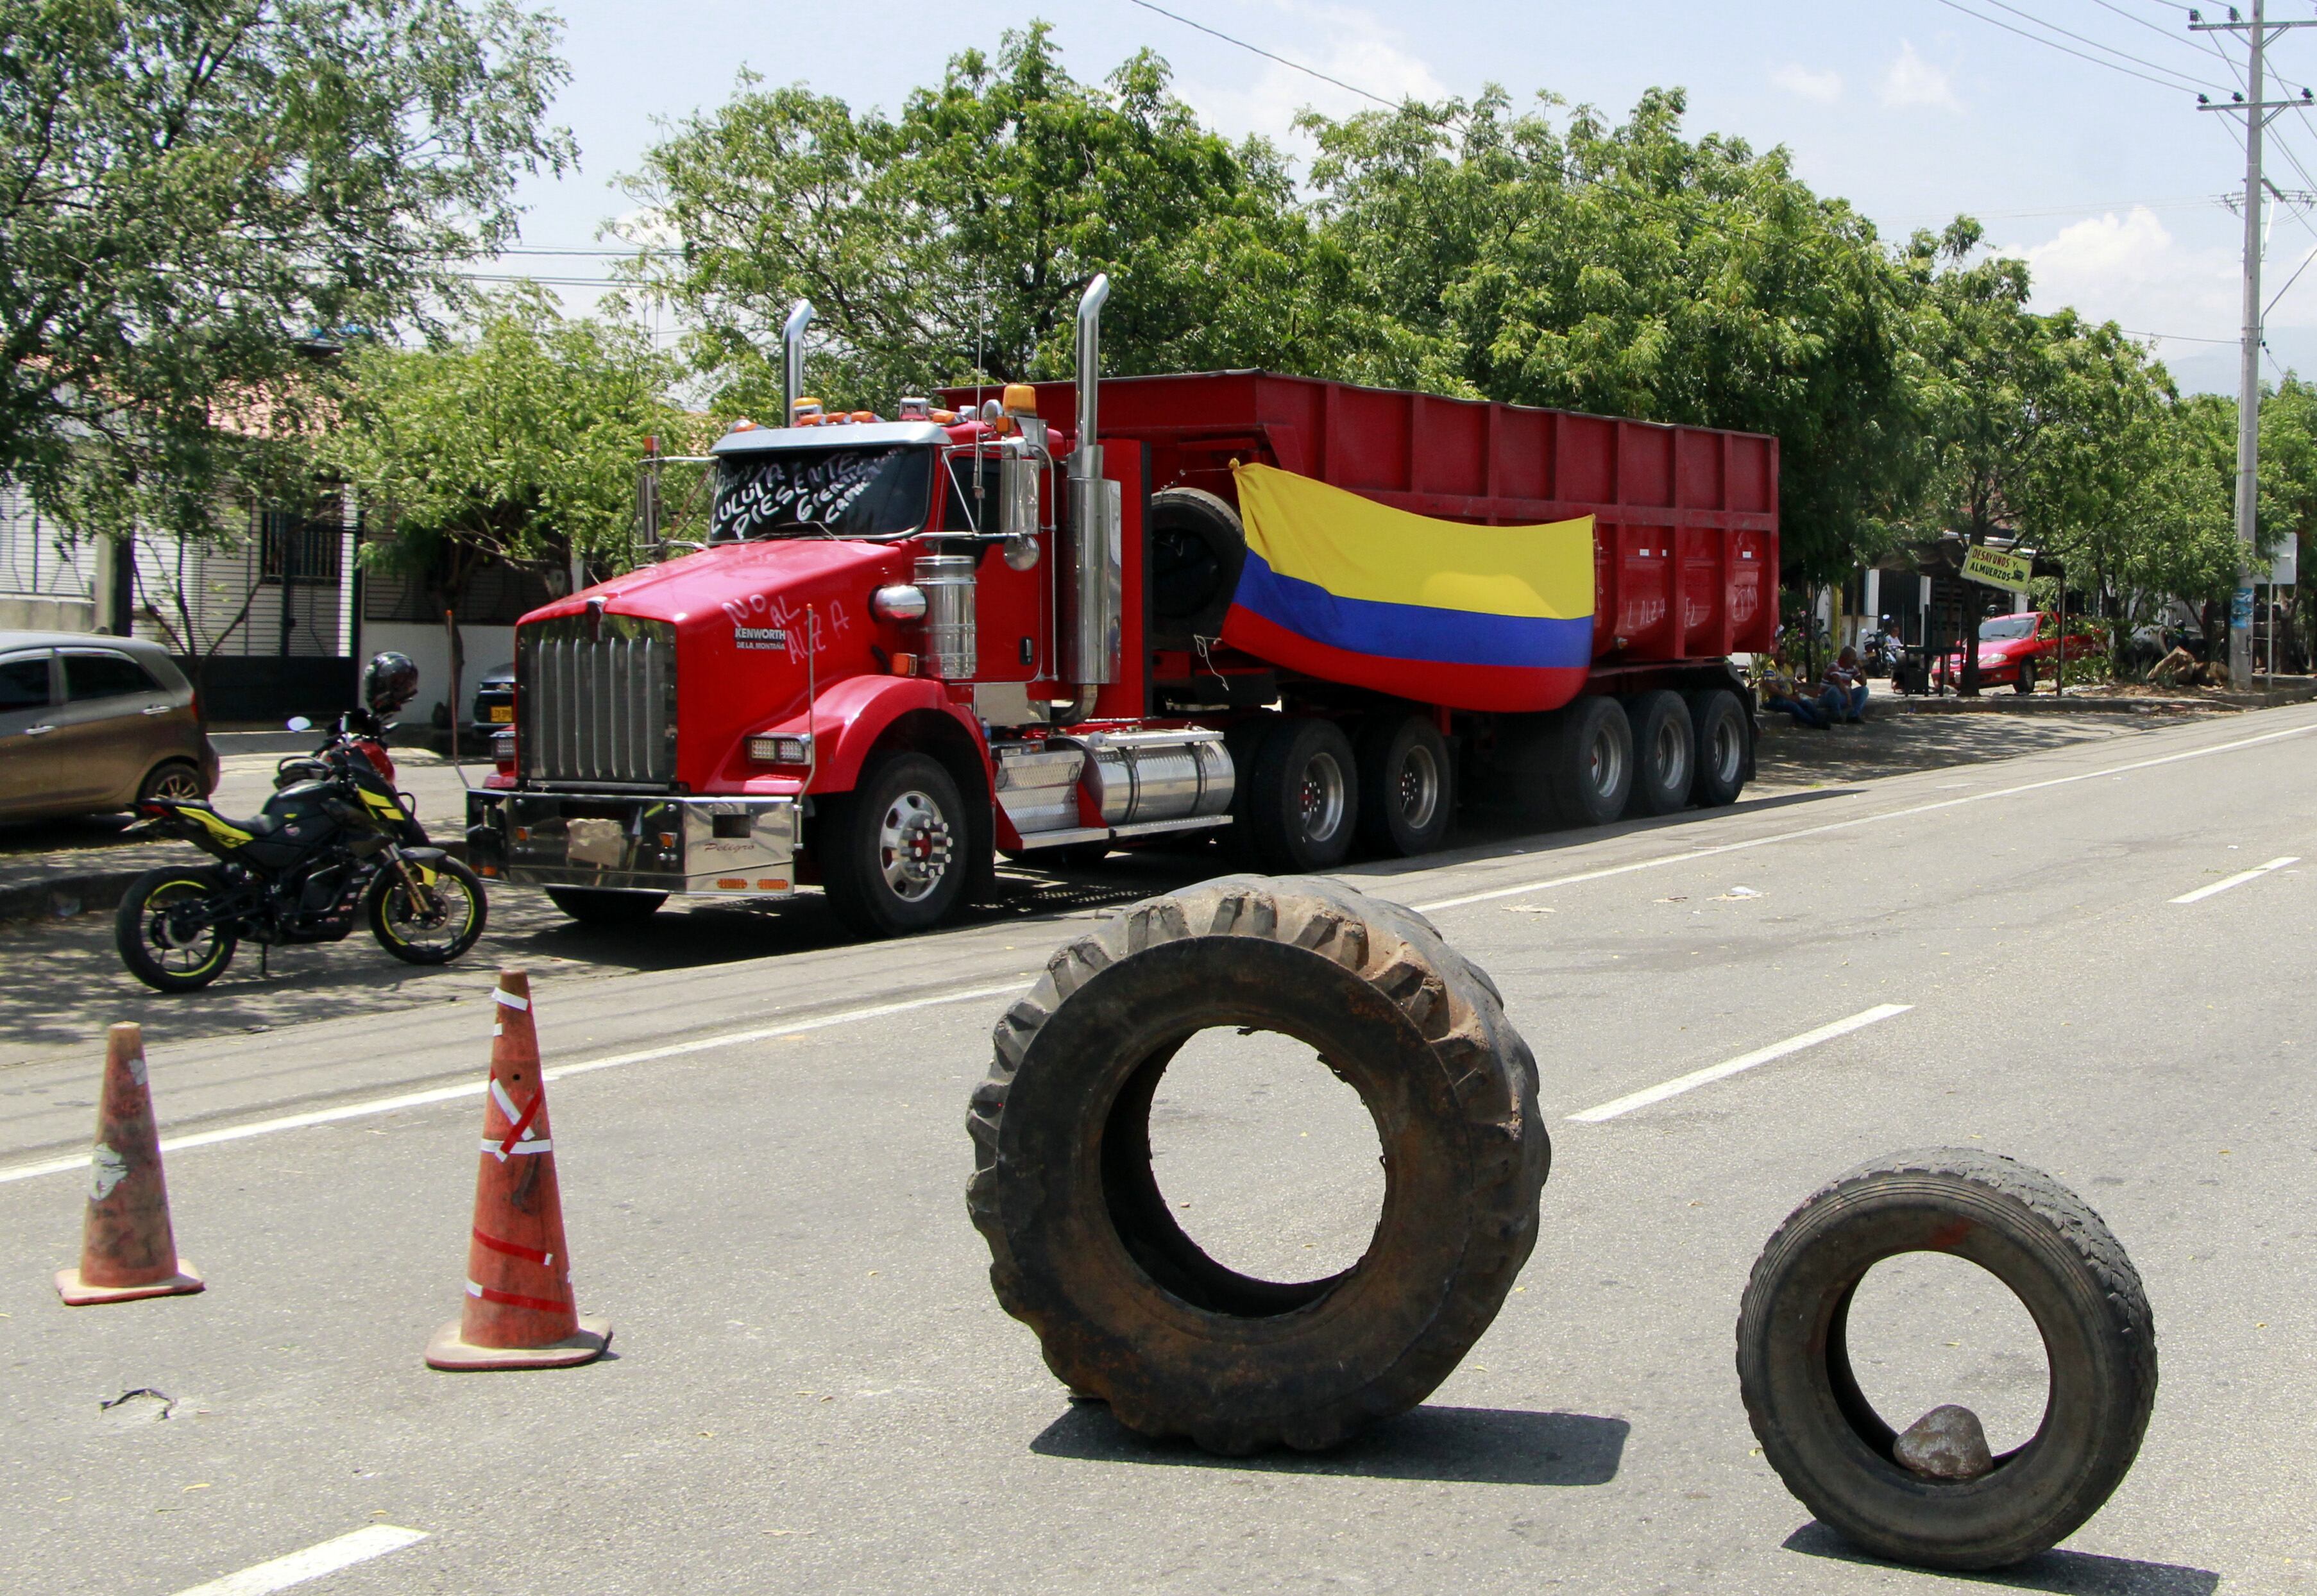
point(1018, 510)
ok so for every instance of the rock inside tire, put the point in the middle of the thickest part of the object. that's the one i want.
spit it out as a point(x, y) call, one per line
point(1835, 1452)
point(1084, 1251)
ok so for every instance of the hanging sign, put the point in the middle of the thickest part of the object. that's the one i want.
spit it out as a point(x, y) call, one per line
point(1991, 568)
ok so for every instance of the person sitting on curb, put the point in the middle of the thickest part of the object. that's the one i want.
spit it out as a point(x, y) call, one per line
point(1778, 694)
point(1844, 694)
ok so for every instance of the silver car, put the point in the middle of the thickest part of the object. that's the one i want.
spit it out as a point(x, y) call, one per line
point(90, 724)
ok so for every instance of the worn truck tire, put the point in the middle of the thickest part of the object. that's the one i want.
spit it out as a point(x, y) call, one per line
point(1197, 546)
point(1083, 1249)
point(1834, 1451)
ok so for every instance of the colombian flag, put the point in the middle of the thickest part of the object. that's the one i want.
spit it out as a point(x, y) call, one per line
point(1473, 617)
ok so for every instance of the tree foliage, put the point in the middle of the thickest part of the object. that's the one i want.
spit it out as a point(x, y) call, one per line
point(195, 193)
point(956, 239)
point(516, 444)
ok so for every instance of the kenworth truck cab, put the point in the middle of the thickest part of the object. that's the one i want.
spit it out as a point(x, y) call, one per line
point(907, 646)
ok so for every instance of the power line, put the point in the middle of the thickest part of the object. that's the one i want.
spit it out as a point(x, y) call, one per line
point(2046, 43)
point(2096, 44)
point(2157, 29)
point(1268, 56)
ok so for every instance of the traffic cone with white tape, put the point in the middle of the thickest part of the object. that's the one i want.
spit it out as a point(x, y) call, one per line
point(518, 1311)
point(128, 1249)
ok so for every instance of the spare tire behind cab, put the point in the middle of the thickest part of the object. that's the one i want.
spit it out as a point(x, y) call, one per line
point(1196, 545)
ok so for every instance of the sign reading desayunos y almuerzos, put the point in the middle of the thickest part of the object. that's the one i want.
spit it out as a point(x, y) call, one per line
point(1992, 568)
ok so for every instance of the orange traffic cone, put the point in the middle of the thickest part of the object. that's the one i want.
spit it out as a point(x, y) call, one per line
point(518, 1313)
point(127, 1248)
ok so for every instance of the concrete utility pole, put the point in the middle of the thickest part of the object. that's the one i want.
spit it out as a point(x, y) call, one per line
point(2259, 114)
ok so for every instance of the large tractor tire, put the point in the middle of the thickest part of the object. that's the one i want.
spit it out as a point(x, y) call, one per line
point(1197, 545)
point(1083, 1248)
point(1833, 1450)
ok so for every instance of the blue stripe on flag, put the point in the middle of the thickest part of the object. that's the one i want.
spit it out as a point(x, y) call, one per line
point(1410, 631)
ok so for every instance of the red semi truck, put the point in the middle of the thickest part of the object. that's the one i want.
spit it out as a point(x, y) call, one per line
point(908, 647)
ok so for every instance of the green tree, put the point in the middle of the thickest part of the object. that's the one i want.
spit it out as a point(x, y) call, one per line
point(958, 237)
point(517, 444)
point(195, 193)
point(1631, 271)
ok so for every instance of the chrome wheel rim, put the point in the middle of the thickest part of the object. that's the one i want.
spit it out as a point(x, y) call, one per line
point(1418, 789)
point(913, 846)
point(1672, 756)
point(1606, 763)
point(1320, 797)
point(176, 786)
point(1729, 752)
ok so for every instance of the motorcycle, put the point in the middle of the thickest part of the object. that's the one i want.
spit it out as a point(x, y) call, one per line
point(333, 842)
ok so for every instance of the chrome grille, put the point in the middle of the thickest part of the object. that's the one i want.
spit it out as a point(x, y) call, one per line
point(597, 709)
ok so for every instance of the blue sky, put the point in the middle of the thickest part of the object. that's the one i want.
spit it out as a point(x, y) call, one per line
point(1913, 109)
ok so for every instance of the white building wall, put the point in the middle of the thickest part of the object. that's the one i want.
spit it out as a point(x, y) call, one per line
point(46, 583)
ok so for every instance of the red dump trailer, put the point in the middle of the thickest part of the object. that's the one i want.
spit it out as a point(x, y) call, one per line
point(1058, 619)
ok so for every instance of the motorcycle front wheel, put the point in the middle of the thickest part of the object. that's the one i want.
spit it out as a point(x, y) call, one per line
point(162, 936)
point(434, 925)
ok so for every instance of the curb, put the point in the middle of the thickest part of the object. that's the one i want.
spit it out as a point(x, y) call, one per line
point(70, 892)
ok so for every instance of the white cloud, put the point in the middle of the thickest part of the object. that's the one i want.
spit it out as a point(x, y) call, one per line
point(1914, 81)
point(1344, 43)
point(2131, 269)
point(1825, 87)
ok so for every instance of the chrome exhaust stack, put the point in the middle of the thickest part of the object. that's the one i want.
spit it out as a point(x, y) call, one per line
point(1093, 575)
point(793, 360)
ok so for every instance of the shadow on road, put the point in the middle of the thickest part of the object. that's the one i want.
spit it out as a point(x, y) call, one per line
point(1461, 1445)
point(2075, 1574)
point(1894, 744)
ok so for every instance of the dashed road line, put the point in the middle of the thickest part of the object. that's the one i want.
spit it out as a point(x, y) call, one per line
point(1865, 819)
point(359, 1547)
point(2238, 880)
point(1743, 1063)
point(450, 1094)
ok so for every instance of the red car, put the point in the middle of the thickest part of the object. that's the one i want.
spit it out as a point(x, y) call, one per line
point(2020, 650)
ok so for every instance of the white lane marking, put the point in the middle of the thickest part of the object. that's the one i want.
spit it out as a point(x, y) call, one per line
point(449, 1094)
point(1743, 1061)
point(313, 1563)
point(2238, 880)
point(1867, 819)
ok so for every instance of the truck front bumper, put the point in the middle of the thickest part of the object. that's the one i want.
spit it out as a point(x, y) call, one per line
point(728, 848)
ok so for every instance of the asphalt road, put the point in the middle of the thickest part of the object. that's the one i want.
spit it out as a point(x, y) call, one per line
point(814, 1390)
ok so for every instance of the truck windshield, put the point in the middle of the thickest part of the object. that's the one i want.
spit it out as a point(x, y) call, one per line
point(819, 492)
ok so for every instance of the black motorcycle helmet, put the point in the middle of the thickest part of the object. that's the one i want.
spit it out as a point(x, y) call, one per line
point(389, 682)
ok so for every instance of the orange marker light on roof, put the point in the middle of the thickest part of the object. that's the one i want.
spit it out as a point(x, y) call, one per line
point(1021, 399)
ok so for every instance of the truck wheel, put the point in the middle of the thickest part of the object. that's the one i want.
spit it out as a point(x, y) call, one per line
point(1304, 809)
point(1826, 1440)
point(1665, 752)
point(1197, 545)
point(1083, 1248)
point(893, 851)
point(1589, 767)
point(1407, 786)
point(604, 906)
point(1718, 719)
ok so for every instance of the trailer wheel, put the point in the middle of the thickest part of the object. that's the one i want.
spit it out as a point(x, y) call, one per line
point(1665, 753)
point(1304, 809)
point(1407, 785)
point(1197, 545)
point(1589, 761)
point(1717, 719)
point(1834, 1451)
point(895, 852)
point(1083, 1249)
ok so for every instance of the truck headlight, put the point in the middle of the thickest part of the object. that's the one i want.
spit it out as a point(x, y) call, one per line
point(780, 750)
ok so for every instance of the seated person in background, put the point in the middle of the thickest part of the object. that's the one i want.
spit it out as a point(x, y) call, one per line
point(1778, 694)
point(1843, 693)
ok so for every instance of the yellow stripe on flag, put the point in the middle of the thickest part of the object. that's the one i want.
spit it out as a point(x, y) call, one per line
point(1356, 548)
